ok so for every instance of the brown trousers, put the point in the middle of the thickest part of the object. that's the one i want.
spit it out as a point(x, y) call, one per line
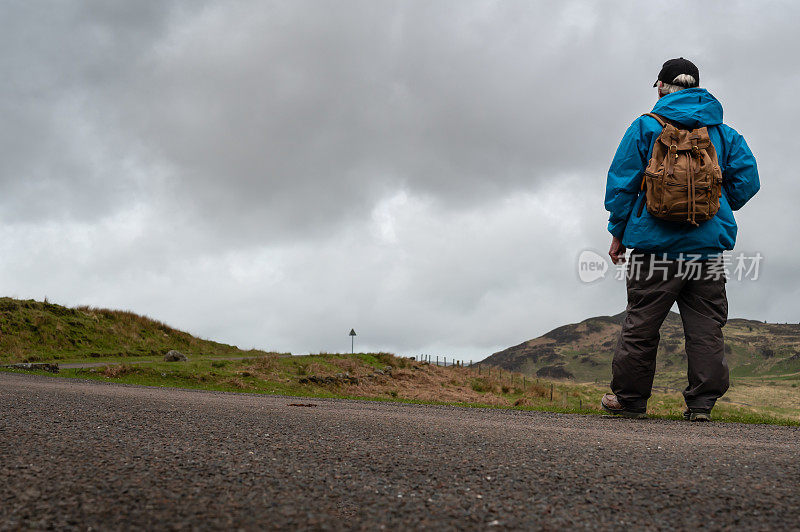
point(653, 286)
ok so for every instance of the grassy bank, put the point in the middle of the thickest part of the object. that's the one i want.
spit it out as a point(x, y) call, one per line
point(384, 377)
point(39, 331)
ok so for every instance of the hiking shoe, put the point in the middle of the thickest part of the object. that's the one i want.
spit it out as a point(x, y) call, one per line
point(610, 404)
point(697, 414)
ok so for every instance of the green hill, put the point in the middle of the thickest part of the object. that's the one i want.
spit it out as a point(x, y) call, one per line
point(34, 331)
point(583, 351)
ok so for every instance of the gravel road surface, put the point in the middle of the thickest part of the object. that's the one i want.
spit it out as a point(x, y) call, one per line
point(80, 455)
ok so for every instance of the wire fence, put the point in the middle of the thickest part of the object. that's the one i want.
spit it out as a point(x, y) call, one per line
point(512, 378)
point(444, 361)
point(519, 380)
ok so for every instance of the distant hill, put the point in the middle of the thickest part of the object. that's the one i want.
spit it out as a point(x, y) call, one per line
point(583, 351)
point(32, 331)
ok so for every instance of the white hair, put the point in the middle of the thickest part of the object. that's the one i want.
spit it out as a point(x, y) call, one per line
point(685, 81)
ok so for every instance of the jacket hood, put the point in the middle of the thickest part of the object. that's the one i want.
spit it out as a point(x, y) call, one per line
point(691, 107)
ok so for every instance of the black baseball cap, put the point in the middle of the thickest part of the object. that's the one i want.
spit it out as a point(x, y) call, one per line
point(674, 68)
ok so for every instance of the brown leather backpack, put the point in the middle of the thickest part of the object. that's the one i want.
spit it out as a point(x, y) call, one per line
point(683, 181)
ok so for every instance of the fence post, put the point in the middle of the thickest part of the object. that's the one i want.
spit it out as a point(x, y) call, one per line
point(437, 360)
point(551, 392)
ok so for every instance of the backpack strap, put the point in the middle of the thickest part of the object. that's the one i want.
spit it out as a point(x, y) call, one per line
point(663, 124)
point(672, 147)
point(660, 120)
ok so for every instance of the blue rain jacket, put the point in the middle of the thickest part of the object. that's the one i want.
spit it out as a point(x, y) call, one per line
point(692, 108)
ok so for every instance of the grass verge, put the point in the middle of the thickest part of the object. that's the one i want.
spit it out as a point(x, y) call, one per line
point(384, 377)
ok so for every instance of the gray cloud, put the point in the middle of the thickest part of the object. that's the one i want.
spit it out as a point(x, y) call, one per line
point(272, 172)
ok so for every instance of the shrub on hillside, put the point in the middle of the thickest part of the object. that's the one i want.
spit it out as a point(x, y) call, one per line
point(117, 371)
point(388, 359)
point(481, 385)
point(347, 364)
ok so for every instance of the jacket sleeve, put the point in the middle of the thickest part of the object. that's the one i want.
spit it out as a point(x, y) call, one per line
point(740, 174)
point(625, 176)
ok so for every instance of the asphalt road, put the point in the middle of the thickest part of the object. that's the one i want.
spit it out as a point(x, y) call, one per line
point(83, 455)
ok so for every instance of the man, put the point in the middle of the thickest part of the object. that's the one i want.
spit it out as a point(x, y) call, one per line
point(662, 248)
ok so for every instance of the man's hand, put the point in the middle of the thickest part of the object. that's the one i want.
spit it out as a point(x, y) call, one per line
point(617, 251)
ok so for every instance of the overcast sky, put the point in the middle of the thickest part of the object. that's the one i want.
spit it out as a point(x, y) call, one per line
point(272, 174)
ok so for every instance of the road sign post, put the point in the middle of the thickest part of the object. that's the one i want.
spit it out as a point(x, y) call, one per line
point(352, 340)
